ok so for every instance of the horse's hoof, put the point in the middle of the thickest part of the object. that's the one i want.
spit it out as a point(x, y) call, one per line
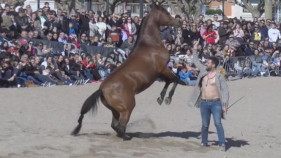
point(126, 138)
point(159, 100)
point(168, 101)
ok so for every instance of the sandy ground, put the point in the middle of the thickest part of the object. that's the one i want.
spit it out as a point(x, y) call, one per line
point(37, 122)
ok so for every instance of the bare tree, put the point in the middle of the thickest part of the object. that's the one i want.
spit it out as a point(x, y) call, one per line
point(189, 8)
point(112, 4)
point(68, 5)
point(257, 10)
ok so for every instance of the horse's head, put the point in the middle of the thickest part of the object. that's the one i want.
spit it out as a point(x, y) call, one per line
point(163, 16)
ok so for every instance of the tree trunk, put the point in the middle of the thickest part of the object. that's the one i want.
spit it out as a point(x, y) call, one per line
point(197, 10)
point(268, 10)
point(256, 13)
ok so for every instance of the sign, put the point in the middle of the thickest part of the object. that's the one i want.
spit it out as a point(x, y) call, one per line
point(203, 8)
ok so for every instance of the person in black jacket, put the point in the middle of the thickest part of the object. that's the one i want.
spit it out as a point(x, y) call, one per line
point(84, 23)
point(224, 32)
point(62, 21)
point(50, 25)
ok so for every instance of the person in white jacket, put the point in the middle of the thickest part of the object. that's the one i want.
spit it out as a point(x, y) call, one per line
point(273, 33)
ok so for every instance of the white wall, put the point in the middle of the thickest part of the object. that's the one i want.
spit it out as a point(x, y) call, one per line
point(237, 11)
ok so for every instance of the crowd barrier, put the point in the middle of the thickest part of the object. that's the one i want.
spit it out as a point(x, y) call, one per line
point(252, 66)
point(59, 47)
point(241, 66)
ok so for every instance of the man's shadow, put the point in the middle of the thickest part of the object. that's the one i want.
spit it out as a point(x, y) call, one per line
point(186, 135)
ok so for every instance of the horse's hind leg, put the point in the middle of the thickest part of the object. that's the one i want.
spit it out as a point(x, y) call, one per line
point(115, 115)
point(121, 128)
point(115, 120)
point(163, 92)
point(122, 102)
point(125, 109)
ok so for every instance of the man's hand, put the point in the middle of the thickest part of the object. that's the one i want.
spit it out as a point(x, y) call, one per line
point(11, 79)
point(224, 110)
point(36, 72)
point(195, 44)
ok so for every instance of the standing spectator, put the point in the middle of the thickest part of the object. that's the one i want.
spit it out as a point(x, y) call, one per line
point(210, 35)
point(257, 35)
point(238, 32)
point(21, 21)
point(50, 25)
point(223, 33)
point(84, 23)
point(41, 17)
point(263, 28)
point(273, 34)
point(130, 27)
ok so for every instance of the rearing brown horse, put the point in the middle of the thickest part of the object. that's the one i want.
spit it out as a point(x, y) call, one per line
point(147, 62)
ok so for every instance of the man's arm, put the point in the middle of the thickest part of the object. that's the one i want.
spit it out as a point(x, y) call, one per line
point(196, 61)
point(224, 92)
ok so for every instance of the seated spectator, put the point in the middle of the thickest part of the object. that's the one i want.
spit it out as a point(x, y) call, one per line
point(62, 38)
point(185, 77)
point(6, 74)
point(128, 44)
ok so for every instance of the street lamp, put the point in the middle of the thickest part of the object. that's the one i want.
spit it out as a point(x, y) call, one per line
point(107, 7)
point(38, 4)
point(141, 8)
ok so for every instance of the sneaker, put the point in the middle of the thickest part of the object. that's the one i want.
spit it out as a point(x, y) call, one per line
point(86, 81)
point(77, 82)
point(222, 147)
point(45, 84)
point(51, 85)
point(203, 145)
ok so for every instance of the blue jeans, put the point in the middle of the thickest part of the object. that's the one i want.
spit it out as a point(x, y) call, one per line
point(257, 68)
point(88, 74)
point(189, 82)
point(207, 108)
point(34, 80)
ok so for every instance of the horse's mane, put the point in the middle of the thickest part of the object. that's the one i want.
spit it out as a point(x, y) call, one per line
point(138, 35)
point(141, 25)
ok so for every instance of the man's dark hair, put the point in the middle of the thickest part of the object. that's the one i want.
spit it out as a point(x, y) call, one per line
point(214, 60)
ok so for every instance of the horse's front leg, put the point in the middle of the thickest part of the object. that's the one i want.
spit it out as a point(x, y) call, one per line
point(168, 99)
point(170, 77)
point(163, 92)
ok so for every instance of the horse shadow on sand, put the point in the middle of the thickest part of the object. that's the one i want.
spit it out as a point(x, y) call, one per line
point(230, 142)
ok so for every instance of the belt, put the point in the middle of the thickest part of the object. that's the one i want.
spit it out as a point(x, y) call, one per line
point(210, 100)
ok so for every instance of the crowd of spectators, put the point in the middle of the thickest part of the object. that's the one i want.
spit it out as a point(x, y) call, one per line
point(28, 64)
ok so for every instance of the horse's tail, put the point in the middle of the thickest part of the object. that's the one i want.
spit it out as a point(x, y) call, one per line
point(90, 103)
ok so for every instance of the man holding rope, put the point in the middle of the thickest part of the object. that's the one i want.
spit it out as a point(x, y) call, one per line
point(211, 96)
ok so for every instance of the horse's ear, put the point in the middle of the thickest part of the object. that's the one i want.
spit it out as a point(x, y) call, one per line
point(152, 4)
